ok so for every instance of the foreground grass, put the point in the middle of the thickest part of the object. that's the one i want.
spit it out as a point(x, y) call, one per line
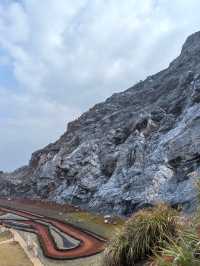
point(141, 236)
point(158, 232)
point(11, 254)
point(184, 251)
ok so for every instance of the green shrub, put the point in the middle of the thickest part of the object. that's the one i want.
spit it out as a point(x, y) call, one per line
point(185, 251)
point(141, 234)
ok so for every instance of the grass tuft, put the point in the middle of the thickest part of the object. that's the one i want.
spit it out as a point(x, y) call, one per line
point(141, 235)
point(185, 251)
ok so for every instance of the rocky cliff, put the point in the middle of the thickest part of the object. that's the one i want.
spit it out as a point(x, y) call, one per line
point(138, 147)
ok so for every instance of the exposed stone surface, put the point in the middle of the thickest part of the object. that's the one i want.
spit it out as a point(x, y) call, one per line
point(138, 147)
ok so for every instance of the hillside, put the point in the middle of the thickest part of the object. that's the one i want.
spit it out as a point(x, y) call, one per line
point(138, 147)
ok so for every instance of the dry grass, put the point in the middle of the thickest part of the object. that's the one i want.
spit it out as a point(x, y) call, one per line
point(11, 254)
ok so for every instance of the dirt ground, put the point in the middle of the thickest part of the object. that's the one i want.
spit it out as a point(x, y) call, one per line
point(5, 236)
point(11, 254)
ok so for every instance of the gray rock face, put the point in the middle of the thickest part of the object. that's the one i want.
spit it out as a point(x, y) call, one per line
point(138, 147)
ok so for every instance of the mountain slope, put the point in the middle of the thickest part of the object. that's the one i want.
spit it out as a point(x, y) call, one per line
point(137, 147)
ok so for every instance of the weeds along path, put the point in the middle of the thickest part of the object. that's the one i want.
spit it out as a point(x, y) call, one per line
point(88, 243)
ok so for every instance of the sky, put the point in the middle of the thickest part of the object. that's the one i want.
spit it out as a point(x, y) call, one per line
point(59, 58)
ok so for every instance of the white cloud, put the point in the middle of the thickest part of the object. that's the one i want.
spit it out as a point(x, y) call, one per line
point(28, 123)
point(67, 55)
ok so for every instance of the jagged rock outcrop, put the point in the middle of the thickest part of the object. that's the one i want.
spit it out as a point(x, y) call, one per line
point(138, 147)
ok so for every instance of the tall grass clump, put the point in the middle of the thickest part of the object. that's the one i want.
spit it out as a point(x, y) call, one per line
point(185, 251)
point(141, 235)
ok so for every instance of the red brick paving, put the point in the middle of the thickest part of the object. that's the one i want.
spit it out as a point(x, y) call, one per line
point(89, 243)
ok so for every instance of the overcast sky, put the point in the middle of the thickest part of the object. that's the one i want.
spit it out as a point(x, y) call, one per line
point(60, 57)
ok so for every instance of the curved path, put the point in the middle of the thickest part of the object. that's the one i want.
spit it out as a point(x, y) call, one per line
point(89, 243)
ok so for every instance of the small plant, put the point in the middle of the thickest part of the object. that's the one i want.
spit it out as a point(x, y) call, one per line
point(141, 235)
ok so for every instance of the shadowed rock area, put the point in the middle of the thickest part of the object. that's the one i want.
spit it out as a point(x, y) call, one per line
point(138, 147)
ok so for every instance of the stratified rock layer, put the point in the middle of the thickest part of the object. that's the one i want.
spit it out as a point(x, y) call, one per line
point(136, 148)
